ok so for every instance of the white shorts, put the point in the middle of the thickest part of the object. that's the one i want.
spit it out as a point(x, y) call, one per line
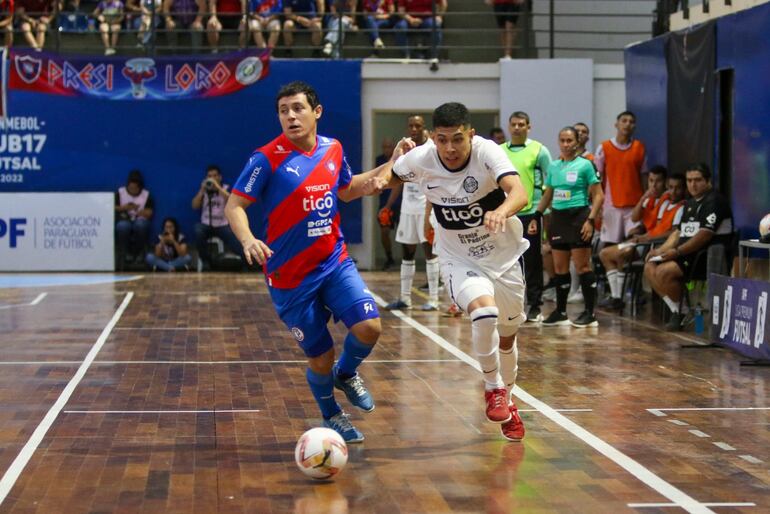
point(616, 223)
point(410, 229)
point(467, 282)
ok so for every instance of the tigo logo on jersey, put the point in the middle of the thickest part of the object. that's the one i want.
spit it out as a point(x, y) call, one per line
point(13, 228)
point(323, 204)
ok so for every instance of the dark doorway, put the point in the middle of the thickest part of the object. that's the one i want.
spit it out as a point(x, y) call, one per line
point(724, 157)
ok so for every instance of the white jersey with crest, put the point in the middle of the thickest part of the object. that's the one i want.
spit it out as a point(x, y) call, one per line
point(460, 198)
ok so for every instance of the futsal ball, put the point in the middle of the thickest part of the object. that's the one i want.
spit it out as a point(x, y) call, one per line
point(321, 453)
point(764, 225)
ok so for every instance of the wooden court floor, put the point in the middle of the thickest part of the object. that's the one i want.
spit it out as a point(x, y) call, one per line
point(184, 393)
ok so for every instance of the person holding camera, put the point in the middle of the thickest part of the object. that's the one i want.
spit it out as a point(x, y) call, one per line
point(170, 253)
point(211, 199)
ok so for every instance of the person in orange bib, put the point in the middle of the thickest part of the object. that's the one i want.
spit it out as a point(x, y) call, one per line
point(667, 209)
point(621, 162)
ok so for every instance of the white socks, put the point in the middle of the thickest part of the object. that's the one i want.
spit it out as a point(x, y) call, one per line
point(674, 306)
point(615, 279)
point(431, 269)
point(407, 277)
point(509, 366)
point(486, 342)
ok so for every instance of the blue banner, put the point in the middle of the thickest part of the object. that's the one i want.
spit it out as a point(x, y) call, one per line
point(53, 143)
point(136, 78)
point(740, 319)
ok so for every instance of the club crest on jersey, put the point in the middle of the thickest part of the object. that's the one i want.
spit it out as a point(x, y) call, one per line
point(470, 184)
point(298, 334)
point(331, 166)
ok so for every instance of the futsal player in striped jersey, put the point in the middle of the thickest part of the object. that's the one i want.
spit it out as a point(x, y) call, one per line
point(299, 178)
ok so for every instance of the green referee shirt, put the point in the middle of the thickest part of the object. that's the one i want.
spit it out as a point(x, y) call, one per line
point(570, 181)
point(531, 160)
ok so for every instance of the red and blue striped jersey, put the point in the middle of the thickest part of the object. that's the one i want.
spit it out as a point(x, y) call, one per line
point(298, 191)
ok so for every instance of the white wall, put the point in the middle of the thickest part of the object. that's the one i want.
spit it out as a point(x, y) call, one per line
point(390, 86)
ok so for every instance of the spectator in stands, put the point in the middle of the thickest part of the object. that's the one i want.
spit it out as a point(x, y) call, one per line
point(170, 253)
point(224, 14)
point(342, 17)
point(185, 14)
point(418, 15)
point(133, 210)
point(303, 15)
point(262, 15)
point(584, 135)
point(34, 18)
point(621, 162)
point(6, 22)
point(388, 219)
point(497, 135)
point(659, 209)
point(378, 15)
point(211, 199)
point(109, 15)
point(506, 15)
point(147, 13)
point(707, 220)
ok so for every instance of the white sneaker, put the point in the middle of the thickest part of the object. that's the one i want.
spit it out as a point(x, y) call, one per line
point(576, 297)
point(109, 51)
point(378, 43)
point(327, 50)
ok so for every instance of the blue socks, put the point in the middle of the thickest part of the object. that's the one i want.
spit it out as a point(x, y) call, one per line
point(353, 354)
point(322, 387)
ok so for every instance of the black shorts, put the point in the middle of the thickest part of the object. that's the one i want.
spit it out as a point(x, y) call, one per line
point(505, 13)
point(564, 230)
point(690, 268)
point(230, 21)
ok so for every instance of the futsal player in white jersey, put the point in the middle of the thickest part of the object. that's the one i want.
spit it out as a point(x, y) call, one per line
point(475, 192)
point(410, 232)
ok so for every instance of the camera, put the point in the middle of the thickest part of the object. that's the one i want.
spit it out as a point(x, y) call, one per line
point(211, 184)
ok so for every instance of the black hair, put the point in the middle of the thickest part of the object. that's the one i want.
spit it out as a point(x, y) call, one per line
point(570, 128)
point(699, 166)
point(495, 130)
point(582, 123)
point(135, 176)
point(173, 222)
point(626, 113)
point(659, 169)
point(677, 176)
point(451, 114)
point(213, 167)
point(295, 88)
point(520, 115)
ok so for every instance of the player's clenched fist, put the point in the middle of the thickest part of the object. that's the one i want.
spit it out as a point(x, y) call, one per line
point(256, 251)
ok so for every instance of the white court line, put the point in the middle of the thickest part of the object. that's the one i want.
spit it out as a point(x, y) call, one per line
point(202, 411)
point(698, 433)
point(558, 410)
point(678, 422)
point(751, 459)
point(178, 328)
point(683, 409)
point(679, 497)
point(39, 298)
point(724, 446)
point(192, 363)
point(21, 460)
point(707, 504)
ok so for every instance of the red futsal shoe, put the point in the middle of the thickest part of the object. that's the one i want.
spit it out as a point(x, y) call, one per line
point(497, 406)
point(513, 430)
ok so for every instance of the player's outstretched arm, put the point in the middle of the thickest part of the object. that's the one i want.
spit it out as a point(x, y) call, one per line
point(253, 249)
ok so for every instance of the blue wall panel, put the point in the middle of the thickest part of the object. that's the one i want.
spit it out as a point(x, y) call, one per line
point(92, 144)
point(743, 44)
point(646, 90)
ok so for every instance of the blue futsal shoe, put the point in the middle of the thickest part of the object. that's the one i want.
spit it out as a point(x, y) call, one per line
point(341, 424)
point(355, 390)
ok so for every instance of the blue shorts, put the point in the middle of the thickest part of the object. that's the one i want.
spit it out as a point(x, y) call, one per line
point(306, 310)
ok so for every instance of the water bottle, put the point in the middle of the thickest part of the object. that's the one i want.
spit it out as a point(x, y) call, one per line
point(698, 320)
